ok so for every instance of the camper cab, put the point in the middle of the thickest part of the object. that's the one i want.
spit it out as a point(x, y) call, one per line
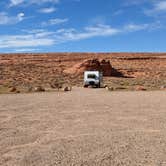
point(93, 78)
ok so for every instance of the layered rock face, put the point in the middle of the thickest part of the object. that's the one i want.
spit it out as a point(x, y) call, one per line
point(91, 65)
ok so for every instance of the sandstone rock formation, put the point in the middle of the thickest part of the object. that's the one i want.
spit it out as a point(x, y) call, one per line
point(92, 65)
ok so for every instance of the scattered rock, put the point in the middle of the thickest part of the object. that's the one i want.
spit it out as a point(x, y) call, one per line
point(105, 85)
point(109, 88)
point(39, 89)
point(140, 88)
point(67, 88)
point(13, 89)
point(120, 88)
point(163, 87)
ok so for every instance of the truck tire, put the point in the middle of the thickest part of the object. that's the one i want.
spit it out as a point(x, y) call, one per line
point(85, 86)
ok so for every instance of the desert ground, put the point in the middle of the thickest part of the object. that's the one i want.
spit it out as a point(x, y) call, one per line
point(84, 127)
point(26, 71)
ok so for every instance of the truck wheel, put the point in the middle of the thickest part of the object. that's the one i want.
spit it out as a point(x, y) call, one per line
point(85, 86)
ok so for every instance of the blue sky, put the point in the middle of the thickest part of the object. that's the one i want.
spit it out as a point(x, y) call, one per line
point(82, 26)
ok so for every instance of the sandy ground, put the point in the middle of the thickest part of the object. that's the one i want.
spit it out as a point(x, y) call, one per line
point(85, 127)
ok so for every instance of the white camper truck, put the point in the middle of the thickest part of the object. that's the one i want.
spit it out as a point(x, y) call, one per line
point(93, 78)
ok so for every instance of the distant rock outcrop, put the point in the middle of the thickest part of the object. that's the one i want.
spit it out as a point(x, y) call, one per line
point(91, 65)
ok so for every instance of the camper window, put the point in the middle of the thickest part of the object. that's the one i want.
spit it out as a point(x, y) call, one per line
point(92, 76)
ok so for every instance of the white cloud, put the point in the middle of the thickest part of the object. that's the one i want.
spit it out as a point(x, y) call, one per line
point(158, 8)
point(138, 27)
point(28, 40)
point(135, 27)
point(41, 37)
point(6, 19)
point(20, 16)
point(47, 10)
point(16, 2)
point(54, 21)
point(64, 35)
point(136, 2)
point(20, 2)
point(26, 50)
point(98, 20)
point(44, 1)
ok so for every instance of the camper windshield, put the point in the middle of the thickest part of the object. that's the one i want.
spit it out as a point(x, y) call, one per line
point(92, 76)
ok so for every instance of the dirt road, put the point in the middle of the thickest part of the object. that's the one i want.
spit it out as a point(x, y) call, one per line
point(85, 127)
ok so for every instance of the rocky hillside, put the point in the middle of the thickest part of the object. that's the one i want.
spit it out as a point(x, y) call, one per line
point(136, 69)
